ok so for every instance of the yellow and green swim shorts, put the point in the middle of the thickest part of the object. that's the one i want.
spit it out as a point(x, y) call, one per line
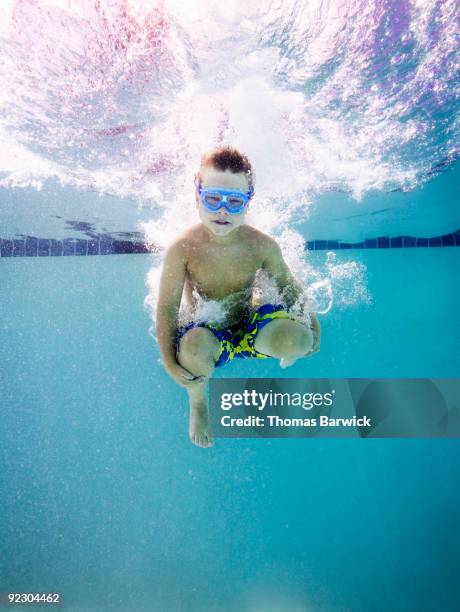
point(237, 342)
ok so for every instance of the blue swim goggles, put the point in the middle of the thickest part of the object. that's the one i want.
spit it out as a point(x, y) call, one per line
point(214, 198)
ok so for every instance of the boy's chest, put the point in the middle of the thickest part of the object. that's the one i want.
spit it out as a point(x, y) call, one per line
point(220, 271)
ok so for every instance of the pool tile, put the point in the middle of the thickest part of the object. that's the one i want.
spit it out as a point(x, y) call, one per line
point(383, 242)
point(140, 247)
point(18, 248)
point(68, 246)
point(93, 247)
point(320, 245)
point(106, 247)
point(43, 247)
point(56, 248)
point(370, 243)
point(122, 247)
point(448, 240)
point(128, 246)
point(80, 247)
point(31, 246)
point(6, 248)
point(409, 241)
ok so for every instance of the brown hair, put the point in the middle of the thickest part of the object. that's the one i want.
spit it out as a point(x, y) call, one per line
point(228, 158)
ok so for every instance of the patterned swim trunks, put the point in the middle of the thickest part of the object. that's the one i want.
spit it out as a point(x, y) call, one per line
point(237, 341)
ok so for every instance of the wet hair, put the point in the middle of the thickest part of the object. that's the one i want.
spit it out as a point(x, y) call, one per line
point(228, 158)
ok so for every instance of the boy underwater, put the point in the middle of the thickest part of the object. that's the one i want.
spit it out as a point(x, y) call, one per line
point(218, 259)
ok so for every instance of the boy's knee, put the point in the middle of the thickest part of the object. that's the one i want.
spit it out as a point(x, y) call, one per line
point(289, 337)
point(197, 343)
point(297, 340)
point(290, 342)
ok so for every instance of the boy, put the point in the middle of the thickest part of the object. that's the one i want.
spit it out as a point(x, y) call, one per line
point(219, 258)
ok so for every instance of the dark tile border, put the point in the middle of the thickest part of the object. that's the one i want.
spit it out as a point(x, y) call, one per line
point(387, 242)
point(31, 246)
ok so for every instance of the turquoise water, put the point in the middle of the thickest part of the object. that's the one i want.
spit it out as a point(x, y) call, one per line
point(106, 501)
point(348, 114)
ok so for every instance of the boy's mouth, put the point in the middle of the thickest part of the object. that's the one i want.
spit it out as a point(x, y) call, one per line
point(221, 222)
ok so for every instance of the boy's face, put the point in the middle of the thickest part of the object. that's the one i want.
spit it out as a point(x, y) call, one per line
point(221, 222)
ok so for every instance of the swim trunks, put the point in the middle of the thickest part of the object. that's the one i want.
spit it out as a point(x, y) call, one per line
point(237, 341)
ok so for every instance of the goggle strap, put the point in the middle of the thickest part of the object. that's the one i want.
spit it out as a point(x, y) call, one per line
point(249, 193)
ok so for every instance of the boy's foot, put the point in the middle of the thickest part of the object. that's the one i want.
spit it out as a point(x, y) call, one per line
point(285, 362)
point(200, 430)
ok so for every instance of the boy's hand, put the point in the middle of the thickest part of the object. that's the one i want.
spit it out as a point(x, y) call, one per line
point(183, 377)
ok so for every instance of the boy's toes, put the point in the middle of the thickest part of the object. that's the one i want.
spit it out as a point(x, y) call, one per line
point(195, 439)
point(209, 440)
point(202, 440)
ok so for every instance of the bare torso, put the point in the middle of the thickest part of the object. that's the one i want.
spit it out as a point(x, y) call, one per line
point(223, 272)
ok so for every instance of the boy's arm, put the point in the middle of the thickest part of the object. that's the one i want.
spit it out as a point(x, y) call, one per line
point(288, 287)
point(278, 270)
point(169, 299)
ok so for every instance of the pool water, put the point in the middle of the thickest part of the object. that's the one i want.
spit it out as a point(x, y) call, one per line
point(106, 501)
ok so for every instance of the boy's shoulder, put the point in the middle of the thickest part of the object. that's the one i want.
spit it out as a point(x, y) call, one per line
point(184, 240)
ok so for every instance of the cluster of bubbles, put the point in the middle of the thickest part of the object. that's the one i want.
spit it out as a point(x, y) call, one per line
point(122, 97)
point(114, 94)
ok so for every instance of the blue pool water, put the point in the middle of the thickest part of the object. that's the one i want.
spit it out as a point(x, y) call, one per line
point(106, 501)
point(348, 113)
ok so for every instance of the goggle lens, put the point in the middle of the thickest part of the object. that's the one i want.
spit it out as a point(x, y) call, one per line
point(233, 202)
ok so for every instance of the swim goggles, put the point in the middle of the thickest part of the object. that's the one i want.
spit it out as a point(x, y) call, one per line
point(232, 200)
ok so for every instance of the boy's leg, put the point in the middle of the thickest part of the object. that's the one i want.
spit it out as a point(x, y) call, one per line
point(285, 339)
point(198, 351)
